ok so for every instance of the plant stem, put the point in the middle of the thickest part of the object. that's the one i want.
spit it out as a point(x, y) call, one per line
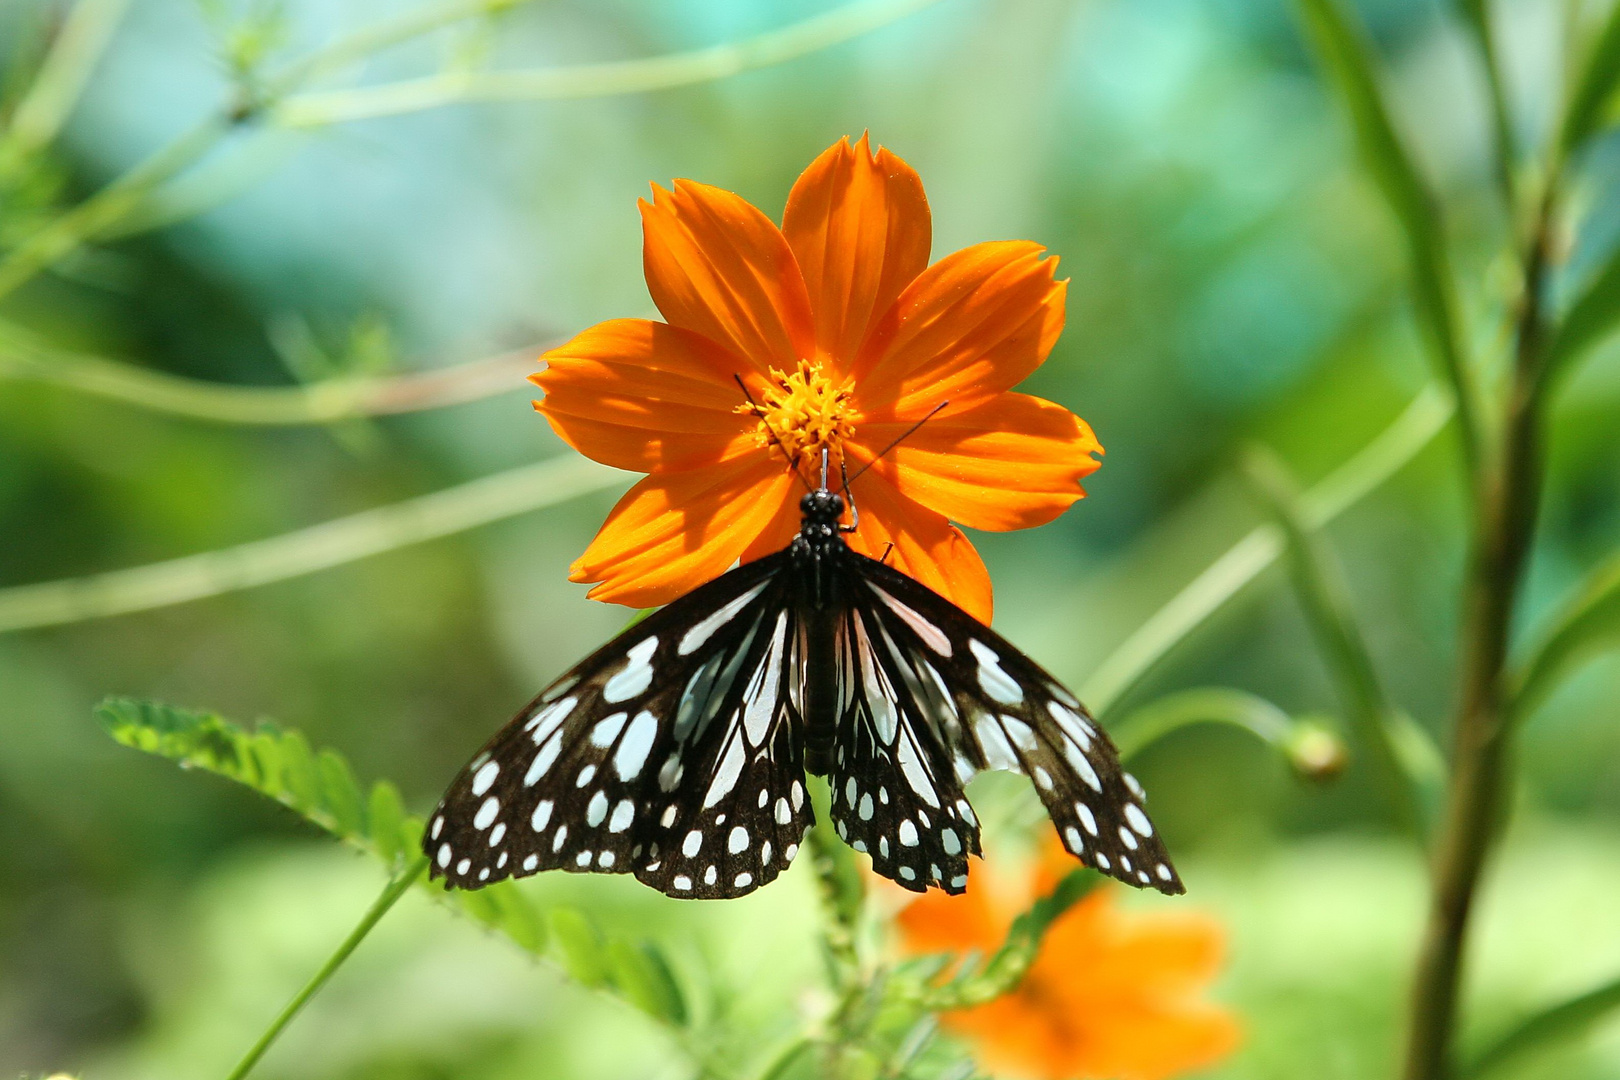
point(304, 551)
point(1325, 598)
point(1504, 527)
point(1395, 446)
point(318, 109)
point(24, 356)
point(395, 889)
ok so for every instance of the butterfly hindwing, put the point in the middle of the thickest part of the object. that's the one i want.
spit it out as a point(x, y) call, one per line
point(583, 777)
point(731, 803)
point(1005, 712)
point(893, 793)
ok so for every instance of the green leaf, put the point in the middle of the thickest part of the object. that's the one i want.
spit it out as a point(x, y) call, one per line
point(1588, 622)
point(1343, 50)
point(578, 947)
point(1589, 319)
point(1006, 968)
point(1324, 595)
point(1593, 88)
point(321, 786)
point(644, 977)
point(1555, 1024)
point(385, 816)
point(340, 793)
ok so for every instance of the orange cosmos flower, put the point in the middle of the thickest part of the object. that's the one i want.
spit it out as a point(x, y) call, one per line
point(844, 336)
point(1112, 995)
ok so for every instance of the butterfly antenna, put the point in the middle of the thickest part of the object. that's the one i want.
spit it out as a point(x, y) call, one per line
point(902, 437)
point(792, 464)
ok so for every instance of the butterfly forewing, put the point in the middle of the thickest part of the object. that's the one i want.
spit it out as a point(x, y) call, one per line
point(1007, 713)
point(584, 777)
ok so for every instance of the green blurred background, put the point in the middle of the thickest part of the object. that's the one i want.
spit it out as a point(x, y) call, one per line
point(1234, 280)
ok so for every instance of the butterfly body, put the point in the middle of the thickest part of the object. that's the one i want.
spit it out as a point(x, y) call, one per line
point(677, 752)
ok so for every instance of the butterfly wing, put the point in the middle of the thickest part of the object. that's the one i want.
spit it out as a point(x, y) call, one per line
point(893, 793)
point(988, 706)
point(652, 739)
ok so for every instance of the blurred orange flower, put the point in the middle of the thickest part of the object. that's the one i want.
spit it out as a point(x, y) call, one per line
point(845, 336)
point(1112, 995)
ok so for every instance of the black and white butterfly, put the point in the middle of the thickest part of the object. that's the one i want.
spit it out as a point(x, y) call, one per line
point(678, 751)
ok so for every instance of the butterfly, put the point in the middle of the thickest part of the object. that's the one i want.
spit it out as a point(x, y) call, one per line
point(678, 751)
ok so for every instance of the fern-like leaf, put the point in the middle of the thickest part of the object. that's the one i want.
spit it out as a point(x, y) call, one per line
point(320, 786)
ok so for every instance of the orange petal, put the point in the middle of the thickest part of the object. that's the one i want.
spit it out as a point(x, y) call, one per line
point(717, 266)
point(640, 395)
point(925, 546)
point(674, 531)
point(1013, 462)
point(858, 224)
point(974, 324)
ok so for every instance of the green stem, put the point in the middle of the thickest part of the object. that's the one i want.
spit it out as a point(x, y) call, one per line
point(1123, 669)
point(1502, 533)
point(63, 235)
point(23, 356)
point(318, 547)
point(1320, 585)
point(395, 889)
point(1311, 747)
point(594, 80)
point(73, 56)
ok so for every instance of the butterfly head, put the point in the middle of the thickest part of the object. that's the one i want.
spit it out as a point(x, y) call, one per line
point(822, 507)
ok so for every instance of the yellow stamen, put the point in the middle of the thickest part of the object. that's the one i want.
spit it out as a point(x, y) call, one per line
point(803, 413)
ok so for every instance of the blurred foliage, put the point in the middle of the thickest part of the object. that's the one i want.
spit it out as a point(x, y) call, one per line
point(1235, 280)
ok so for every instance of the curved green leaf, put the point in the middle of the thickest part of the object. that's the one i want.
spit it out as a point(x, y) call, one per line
point(1593, 88)
point(1555, 1024)
point(1589, 621)
point(1344, 52)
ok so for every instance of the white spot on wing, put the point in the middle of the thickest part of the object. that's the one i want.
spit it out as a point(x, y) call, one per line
point(694, 638)
point(607, 729)
point(637, 673)
point(632, 753)
point(1138, 820)
point(486, 813)
point(623, 814)
point(931, 635)
point(996, 682)
point(484, 777)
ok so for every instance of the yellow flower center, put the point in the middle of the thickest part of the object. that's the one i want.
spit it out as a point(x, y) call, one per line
point(804, 413)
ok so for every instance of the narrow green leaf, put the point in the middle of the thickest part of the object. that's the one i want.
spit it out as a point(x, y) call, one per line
point(1588, 622)
point(579, 948)
point(1324, 595)
point(385, 817)
point(1594, 87)
point(1589, 319)
point(340, 794)
point(645, 980)
point(1555, 1024)
point(1344, 51)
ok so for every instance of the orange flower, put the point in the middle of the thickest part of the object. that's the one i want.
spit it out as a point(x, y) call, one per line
point(844, 337)
point(1112, 995)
